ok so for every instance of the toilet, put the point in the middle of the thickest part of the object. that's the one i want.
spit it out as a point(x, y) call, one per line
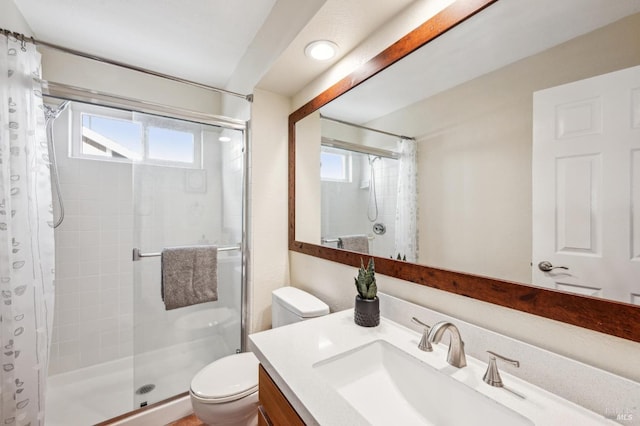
point(225, 392)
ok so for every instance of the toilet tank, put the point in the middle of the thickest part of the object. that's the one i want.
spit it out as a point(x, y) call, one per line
point(290, 304)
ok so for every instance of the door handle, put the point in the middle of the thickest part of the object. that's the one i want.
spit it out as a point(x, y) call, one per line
point(546, 266)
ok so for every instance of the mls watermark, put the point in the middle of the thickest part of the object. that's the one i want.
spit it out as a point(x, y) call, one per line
point(620, 414)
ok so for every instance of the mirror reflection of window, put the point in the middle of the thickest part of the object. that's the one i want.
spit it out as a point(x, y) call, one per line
point(335, 165)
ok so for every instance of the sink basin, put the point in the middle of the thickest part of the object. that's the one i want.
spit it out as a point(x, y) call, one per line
point(388, 386)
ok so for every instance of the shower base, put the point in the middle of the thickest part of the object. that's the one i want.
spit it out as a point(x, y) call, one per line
point(90, 395)
point(94, 394)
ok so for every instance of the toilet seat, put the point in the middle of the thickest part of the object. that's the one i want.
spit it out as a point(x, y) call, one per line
point(227, 379)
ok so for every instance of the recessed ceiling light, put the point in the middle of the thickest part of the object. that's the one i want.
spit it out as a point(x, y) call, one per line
point(224, 138)
point(321, 50)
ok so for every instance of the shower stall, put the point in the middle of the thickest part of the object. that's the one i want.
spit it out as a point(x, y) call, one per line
point(130, 180)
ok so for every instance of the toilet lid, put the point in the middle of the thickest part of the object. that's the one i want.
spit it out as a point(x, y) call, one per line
point(300, 302)
point(228, 378)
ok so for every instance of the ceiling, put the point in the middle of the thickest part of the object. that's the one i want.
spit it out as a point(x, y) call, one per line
point(346, 23)
point(227, 44)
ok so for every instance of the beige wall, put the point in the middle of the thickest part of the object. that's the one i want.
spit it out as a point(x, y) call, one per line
point(333, 282)
point(269, 264)
point(308, 208)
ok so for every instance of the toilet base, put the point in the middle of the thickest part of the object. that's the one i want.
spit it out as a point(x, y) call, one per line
point(242, 412)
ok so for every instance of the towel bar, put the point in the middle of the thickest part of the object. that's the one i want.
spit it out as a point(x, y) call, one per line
point(137, 255)
point(335, 240)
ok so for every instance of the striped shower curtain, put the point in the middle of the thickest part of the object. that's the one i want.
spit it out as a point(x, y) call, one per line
point(26, 237)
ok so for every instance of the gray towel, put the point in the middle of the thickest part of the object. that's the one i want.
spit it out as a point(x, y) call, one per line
point(189, 275)
point(359, 243)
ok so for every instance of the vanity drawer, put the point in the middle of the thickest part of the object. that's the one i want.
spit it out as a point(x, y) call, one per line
point(275, 409)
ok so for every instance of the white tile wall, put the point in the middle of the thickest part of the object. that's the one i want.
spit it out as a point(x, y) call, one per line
point(93, 271)
point(387, 189)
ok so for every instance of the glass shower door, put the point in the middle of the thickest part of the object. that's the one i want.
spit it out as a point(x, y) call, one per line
point(188, 190)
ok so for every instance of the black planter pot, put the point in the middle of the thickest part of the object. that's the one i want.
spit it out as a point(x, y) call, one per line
point(367, 312)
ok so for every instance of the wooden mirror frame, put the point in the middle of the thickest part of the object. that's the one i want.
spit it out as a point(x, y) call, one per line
point(605, 316)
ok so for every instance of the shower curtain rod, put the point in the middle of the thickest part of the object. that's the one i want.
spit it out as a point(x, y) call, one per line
point(24, 39)
point(362, 149)
point(324, 117)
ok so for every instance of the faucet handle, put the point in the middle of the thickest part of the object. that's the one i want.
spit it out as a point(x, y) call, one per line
point(425, 344)
point(492, 375)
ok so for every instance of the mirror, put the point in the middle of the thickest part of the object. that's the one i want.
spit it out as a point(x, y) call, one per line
point(475, 100)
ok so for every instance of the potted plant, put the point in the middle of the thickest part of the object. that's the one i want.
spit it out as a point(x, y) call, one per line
point(367, 307)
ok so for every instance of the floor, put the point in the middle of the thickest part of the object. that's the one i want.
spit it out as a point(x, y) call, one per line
point(191, 420)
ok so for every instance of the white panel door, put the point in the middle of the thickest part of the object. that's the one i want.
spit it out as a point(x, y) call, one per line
point(586, 186)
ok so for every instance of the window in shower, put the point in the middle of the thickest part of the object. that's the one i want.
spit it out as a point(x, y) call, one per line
point(170, 145)
point(112, 137)
point(108, 134)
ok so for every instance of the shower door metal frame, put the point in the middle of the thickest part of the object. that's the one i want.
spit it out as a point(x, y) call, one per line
point(72, 93)
point(245, 252)
point(95, 97)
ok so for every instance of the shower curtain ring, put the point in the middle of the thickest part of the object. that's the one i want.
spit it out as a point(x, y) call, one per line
point(23, 43)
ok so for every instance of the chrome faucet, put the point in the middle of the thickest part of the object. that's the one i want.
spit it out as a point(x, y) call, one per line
point(455, 356)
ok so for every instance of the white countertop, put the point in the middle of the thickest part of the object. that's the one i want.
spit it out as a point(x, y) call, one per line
point(288, 354)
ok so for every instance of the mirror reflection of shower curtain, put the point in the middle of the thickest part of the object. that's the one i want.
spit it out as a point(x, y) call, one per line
point(372, 203)
point(406, 242)
point(26, 236)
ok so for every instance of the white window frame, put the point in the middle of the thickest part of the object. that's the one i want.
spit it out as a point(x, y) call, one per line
point(145, 121)
point(347, 164)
